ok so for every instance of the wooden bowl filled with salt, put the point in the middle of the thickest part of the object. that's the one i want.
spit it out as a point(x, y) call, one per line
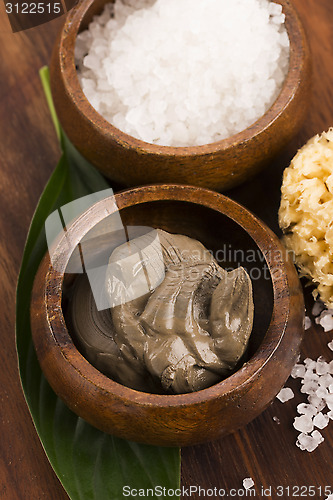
point(202, 93)
point(167, 314)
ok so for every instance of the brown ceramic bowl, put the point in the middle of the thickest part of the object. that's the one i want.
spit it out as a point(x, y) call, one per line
point(220, 165)
point(237, 238)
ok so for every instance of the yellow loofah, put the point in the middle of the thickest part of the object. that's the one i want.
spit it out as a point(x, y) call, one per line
point(306, 212)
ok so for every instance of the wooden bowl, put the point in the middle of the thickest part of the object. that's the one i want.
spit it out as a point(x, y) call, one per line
point(220, 165)
point(237, 238)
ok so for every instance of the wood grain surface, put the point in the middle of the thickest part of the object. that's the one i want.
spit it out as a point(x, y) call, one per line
point(264, 450)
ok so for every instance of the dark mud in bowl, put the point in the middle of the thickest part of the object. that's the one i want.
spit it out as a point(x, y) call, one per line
point(181, 419)
point(228, 242)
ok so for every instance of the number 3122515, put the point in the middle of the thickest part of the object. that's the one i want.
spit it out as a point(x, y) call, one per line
point(33, 8)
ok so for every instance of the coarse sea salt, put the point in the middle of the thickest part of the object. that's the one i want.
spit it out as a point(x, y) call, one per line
point(318, 307)
point(320, 420)
point(306, 409)
point(325, 320)
point(308, 442)
point(285, 394)
point(307, 323)
point(298, 371)
point(303, 424)
point(248, 483)
point(183, 72)
point(317, 383)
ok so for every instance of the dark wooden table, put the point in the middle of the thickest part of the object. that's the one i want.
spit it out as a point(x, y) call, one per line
point(264, 450)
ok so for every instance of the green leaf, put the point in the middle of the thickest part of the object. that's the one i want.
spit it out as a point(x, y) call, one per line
point(89, 463)
point(45, 79)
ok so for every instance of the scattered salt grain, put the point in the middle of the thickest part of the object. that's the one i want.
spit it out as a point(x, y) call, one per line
point(298, 371)
point(248, 483)
point(309, 387)
point(317, 383)
point(214, 70)
point(306, 409)
point(318, 403)
point(326, 380)
point(325, 320)
point(307, 323)
point(310, 376)
point(318, 308)
point(310, 364)
point(308, 442)
point(322, 393)
point(321, 366)
point(330, 497)
point(329, 401)
point(285, 394)
point(303, 424)
point(317, 436)
point(320, 420)
point(276, 420)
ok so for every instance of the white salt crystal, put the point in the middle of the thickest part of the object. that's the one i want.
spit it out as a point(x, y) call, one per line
point(217, 52)
point(285, 394)
point(306, 409)
point(275, 9)
point(317, 320)
point(330, 497)
point(322, 392)
point(303, 424)
point(320, 420)
point(310, 376)
point(298, 371)
point(317, 436)
point(326, 380)
point(318, 307)
point(276, 420)
point(310, 364)
point(302, 440)
point(330, 345)
point(330, 415)
point(325, 320)
point(321, 366)
point(327, 323)
point(309, 387)
point(248, 483)
point(329, 401)
point(331, 367)
point(307, 443)
point(307, 323)
point(330, 389)
point(318, 403)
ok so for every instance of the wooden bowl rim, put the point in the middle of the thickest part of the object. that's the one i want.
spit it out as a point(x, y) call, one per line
point(71, 82)
point(270, 248)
